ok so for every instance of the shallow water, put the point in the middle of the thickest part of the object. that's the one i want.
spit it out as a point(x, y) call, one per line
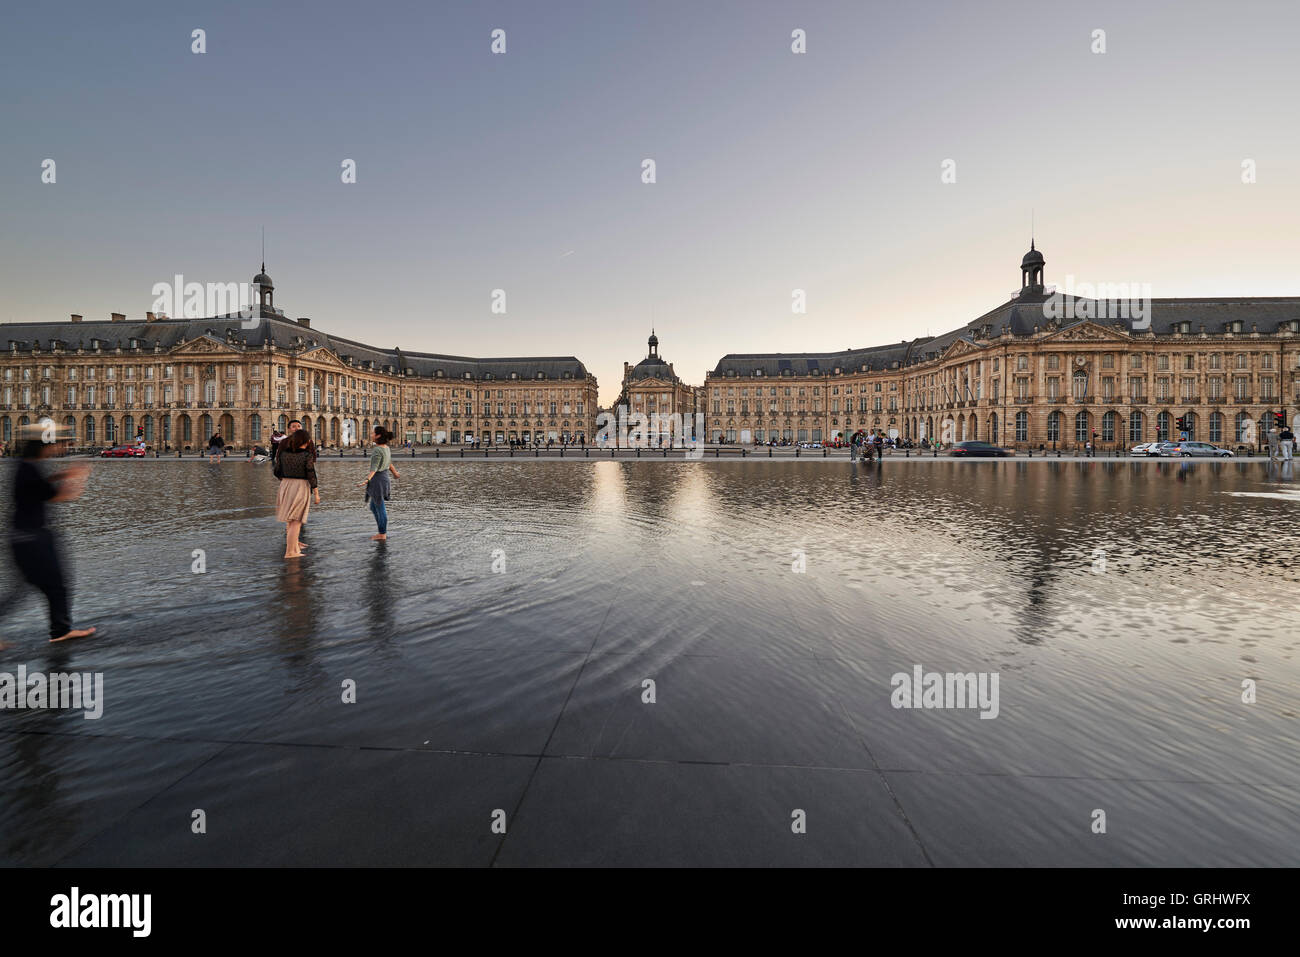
point(519, 605)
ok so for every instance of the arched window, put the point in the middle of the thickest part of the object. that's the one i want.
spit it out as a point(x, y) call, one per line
point(1022, 426)
point(205, 427)
point(110, 430)
point(1135, 426)
point(1108, 427)
point(6, 430)
point(1162, 427)
point(1054, 427)
point(993, 428)
point(255, 428)
point(148, 428)
point(88, 428)
point(70, 426)
point(1081, 428)
point(1244, 428)
point(1216, 426)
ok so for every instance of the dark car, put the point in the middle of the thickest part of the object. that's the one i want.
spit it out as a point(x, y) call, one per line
point(979, 448)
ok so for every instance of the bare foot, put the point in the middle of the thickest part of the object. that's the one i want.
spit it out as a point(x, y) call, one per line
point(293, 554)
point(379, 538)
point(74, 633)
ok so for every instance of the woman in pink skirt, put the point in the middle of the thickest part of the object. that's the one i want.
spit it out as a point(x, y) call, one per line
point(295, 467)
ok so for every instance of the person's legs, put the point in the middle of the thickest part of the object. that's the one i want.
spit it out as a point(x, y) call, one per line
point(381, 516)
point(38, 560)
point(291, 549)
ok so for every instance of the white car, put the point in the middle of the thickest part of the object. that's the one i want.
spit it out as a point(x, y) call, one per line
point(1146, 448)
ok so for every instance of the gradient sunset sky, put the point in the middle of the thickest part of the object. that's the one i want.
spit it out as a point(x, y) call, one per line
point(522, 171)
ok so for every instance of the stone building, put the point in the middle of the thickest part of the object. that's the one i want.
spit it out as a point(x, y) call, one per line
point(1042, 369)
point(651, 387)
point(177, 380)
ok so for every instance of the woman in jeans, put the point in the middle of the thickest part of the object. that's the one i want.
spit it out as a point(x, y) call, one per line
point(377, 483)
point(295, 467)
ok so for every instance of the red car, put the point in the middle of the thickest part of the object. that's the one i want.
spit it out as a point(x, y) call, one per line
point(122, 452)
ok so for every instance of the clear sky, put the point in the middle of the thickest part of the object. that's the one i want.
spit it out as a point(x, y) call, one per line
point(522, 171)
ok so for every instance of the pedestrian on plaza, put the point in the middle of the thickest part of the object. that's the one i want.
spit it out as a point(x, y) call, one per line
point(32, 541)
point(215, 446)
point(295, 467)
point(1286, 439)
point(378, 486)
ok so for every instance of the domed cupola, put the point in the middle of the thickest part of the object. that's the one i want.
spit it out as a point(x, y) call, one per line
point(1031, 270)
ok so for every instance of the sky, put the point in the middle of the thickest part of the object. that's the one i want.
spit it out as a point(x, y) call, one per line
point(522, 171)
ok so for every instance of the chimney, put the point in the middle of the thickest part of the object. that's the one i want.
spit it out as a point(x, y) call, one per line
point(150, 317)
point(117, 317)
point(304, 321)
point(76, 317)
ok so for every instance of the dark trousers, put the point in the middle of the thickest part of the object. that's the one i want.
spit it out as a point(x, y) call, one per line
point(37, 556)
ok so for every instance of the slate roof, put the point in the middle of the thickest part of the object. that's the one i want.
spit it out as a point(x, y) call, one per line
point(282, 333)
point(1019, 316)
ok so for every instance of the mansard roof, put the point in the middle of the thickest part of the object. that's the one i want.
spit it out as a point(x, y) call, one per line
point(278, 332)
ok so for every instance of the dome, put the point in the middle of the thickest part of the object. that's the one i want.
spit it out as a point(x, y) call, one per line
point(1032, 258)
point(262, 279)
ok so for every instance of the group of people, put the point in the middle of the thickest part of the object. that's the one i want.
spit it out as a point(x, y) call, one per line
point(865, 445)
point(293, 461)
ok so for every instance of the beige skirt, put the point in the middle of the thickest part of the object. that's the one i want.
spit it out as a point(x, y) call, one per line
point(293, 500)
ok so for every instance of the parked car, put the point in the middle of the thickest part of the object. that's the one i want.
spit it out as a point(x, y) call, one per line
point(1189, 449)
point(122, 451)
point(1151, 448)
point(979, 448)
point(1141, 449)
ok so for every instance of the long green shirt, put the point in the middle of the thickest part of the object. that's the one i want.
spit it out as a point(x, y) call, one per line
point(380, 458)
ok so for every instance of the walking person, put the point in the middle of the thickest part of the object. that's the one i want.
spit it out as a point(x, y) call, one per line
point(295, 467)
point(215, 446)
point(1286, 439)
point(377, 483)
point(31, 540)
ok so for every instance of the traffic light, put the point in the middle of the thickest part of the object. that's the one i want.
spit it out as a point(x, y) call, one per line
point(1279, 420)
point(1182, 423)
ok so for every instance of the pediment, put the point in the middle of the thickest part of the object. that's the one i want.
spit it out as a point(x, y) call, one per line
point(204, 344)
point(1087, 331)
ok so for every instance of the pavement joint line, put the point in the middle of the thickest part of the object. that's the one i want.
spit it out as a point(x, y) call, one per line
point(154, 794)
point(558, 718)
point(946, 772)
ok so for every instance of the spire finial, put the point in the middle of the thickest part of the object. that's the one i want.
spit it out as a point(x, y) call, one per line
point(263, 249)
point(1031, 229)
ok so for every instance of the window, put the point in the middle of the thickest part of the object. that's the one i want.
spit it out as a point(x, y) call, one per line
point(1081, 428)
point(1216, 426)
point(1135, 427)
point(1054, 427)
point(1022, 426)
point(1162, 427)
point(1108, 427)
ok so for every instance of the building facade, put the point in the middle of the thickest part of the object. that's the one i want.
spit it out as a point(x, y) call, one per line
point(176, 381)
point(1041, 370)
point(651, 388)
